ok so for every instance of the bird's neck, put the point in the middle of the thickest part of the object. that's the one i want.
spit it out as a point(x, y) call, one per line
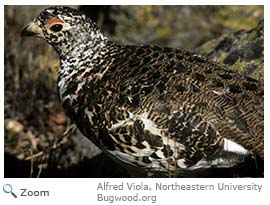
point(83, 53)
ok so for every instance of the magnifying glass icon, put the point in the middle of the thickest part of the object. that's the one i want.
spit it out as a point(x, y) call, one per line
point(7, 188)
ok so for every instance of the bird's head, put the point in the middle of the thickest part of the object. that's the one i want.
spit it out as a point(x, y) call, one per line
point(64, 28)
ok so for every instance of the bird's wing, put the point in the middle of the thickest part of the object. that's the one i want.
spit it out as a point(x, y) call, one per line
point(198, 102)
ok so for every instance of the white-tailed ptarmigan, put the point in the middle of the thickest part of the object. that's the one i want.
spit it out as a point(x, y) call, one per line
point(157, 109)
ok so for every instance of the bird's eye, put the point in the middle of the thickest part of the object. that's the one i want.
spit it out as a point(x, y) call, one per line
point(56, 27)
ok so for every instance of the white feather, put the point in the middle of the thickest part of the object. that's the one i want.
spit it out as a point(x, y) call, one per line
point(231, 146)
point(217, 92)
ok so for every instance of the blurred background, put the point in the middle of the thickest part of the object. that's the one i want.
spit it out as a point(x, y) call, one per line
point(40, 141)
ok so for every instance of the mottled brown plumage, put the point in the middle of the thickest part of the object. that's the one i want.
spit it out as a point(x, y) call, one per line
point(159, 109)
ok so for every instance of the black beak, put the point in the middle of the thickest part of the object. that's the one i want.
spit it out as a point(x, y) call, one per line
point(26, 32)
point(32, 29)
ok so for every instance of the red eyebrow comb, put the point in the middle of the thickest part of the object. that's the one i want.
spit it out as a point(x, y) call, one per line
point(54, 20)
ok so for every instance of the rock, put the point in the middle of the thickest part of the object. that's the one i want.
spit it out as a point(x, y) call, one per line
point(13, 126)
point(242, 50)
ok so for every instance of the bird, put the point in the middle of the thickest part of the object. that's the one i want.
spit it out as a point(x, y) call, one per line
point(151, 108)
